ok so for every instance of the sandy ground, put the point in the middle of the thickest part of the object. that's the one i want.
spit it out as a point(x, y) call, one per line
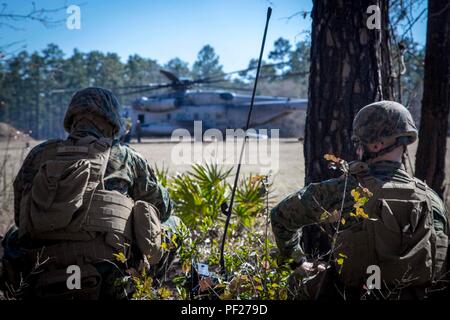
point(287, 169)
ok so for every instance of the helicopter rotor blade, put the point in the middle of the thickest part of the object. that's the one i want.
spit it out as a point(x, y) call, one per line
point(142, 86)
point(142, 90)
point(231, 88)
point(170, 75)
point(178, 84)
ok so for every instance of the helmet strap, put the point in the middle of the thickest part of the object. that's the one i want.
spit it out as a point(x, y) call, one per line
point(400, 141)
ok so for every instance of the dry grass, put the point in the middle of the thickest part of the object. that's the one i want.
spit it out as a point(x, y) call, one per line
point(289, 178)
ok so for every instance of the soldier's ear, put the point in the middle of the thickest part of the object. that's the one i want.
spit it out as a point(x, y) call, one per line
point(359, 152)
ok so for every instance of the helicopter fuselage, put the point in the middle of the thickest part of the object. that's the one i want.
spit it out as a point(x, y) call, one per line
point(161, 115)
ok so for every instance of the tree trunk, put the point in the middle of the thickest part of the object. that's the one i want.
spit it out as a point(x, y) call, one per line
point(430, 157)
point(350, 67)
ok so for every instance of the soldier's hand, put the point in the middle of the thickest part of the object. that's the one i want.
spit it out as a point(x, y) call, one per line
point(308, 269)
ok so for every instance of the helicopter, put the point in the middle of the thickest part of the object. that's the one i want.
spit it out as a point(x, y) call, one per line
point(183, 105)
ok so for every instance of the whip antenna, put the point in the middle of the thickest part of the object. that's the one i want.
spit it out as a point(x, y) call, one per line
point(233, 192)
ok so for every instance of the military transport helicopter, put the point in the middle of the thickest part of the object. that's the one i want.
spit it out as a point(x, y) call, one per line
point(183, 104)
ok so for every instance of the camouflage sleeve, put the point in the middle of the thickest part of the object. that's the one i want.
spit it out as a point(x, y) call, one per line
point(19, 186)
point(147, 188)
point(440, 214)
point(306, 207)
point(24, 178)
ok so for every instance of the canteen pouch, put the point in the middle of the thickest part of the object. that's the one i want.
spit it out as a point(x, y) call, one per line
point(147, 230)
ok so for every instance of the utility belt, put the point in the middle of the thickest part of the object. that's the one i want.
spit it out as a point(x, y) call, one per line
point(68, 253)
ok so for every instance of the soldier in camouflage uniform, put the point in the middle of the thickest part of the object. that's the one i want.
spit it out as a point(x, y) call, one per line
point(389, 219)
point(93, 123)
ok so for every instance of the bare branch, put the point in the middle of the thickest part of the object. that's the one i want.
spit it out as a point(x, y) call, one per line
point(302, 14)
point(43, 16)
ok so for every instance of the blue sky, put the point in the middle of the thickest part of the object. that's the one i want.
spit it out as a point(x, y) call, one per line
point(164, 29)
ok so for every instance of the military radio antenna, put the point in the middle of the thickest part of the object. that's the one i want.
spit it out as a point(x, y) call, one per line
point(247, 125)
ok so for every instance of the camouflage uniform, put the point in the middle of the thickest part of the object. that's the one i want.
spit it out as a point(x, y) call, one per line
point(95, 112)
point(307, 206)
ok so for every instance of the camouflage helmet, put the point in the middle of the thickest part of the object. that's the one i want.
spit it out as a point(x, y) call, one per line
point(96, 102)
point(381, 121)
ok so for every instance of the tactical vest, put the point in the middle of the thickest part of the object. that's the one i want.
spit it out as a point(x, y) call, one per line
point(67, 203)
point(398, 237)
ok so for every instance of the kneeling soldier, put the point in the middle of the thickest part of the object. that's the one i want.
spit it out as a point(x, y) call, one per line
point(391, 221)
point(89, 202)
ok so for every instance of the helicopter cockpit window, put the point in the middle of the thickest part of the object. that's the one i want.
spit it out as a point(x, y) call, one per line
point(227, 96)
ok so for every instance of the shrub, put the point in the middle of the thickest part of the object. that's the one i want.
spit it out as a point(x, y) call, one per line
point(253, 270)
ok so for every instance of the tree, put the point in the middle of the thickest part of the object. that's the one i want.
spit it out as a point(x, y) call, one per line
point(105, 70)
point(430, 157)
point(281, 53)
point(179, 67)
point(35, 88)
point(75, 72)
point(141, 71)
point(350, 67)
point(281, 49)
point(52, 76)
point(299, 65)
point(15, 91)
point(268, 71)
point(207, 63)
